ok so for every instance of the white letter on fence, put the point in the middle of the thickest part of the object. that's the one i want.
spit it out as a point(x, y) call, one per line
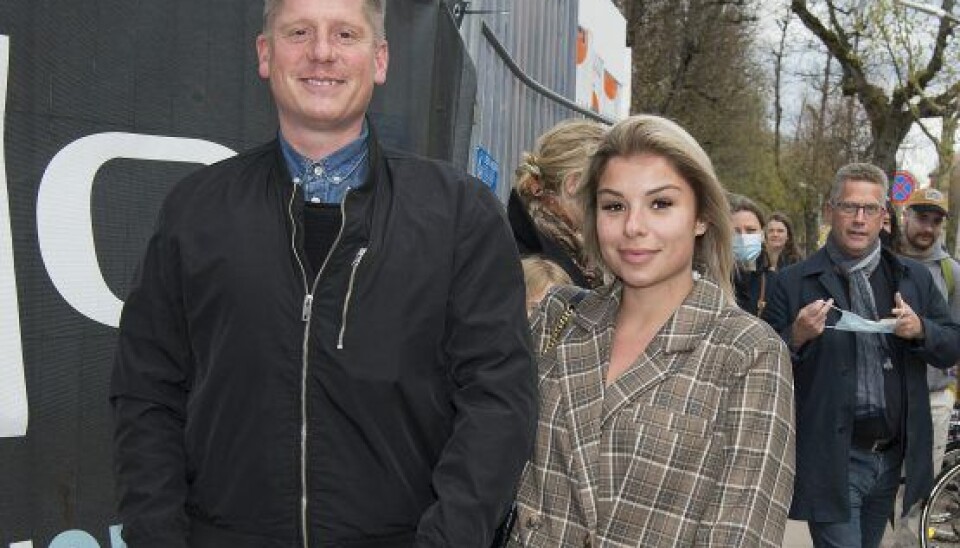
point(13, 388)
point(64, 221)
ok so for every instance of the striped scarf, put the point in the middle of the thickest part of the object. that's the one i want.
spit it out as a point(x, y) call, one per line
point(871, 347)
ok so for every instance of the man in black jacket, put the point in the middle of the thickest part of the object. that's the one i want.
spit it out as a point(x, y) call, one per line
point(861, 391)
point(325, 344)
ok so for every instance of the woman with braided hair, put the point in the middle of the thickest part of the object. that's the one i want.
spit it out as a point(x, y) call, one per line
point(543, 212)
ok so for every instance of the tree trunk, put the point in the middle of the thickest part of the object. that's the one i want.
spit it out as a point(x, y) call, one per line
point(887, 137)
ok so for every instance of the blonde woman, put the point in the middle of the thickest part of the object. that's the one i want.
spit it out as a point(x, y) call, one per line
point(666, 412)
point(540, 275)
point(543, 212)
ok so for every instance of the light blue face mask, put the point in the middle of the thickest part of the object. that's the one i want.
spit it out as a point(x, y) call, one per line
point(746, 247)
point(852, 322)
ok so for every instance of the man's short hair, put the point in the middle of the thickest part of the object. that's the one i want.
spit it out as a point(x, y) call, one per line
point(374, 9)
point(859, 171)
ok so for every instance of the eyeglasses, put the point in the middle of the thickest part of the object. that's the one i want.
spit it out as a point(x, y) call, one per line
point(850, 209)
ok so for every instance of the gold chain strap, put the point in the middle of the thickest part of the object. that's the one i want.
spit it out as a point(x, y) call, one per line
point(562, 322)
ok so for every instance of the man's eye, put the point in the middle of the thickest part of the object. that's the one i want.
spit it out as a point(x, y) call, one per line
point(347, 37)
point(299, 35)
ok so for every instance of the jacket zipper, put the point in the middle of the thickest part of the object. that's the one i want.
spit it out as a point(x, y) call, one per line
point(346, 302)
point(306, 314)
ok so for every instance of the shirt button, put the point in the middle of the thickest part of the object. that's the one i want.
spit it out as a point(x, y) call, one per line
point(318, 170)
point(337, 179)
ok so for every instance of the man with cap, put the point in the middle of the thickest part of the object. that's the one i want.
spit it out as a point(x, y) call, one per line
point(924, 217)
point(921, 238)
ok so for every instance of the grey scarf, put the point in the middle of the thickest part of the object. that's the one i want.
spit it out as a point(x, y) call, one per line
point(871, 347)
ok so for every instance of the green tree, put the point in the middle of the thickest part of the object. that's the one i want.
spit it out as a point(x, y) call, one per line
point(877, 42)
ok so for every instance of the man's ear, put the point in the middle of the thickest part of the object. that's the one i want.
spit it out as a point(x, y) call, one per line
point(263, 56)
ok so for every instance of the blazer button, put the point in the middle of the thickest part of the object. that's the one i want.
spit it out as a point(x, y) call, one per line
point(533, 522)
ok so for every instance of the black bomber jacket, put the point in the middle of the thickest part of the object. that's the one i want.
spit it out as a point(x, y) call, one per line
point(387, 400)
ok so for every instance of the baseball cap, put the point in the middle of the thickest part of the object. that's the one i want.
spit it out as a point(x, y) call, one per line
point(928, 199)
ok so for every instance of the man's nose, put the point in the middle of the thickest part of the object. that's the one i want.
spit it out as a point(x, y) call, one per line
point(321, 48)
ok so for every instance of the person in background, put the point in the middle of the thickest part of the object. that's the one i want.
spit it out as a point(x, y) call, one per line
point(752, 275)
point(924, 218)
point(890, 229)
point(863, 413)
point(540, 275)
point(325, 343)
point(543, 212)
point(666, 411)
point(921, 238)
point(780, 243)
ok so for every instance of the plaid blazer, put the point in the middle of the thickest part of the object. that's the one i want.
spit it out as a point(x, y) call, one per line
point(691, 446)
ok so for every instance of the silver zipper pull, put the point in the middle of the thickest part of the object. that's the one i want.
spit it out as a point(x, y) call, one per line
point(307, 307)
point(360, 253)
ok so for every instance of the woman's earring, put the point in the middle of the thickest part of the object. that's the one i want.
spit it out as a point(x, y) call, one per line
point(700, 228)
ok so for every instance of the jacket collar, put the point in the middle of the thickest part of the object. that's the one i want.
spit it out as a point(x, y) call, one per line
point(685, 328)
point(821, 267)
point(819, 263)
point(376, 174)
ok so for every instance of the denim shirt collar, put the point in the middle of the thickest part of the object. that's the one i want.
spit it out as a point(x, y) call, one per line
point(327, 179)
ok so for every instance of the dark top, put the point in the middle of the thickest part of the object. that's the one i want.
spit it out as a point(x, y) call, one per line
point(883, 289)
point(531, 241)
point(321, 223)
point(749, 286)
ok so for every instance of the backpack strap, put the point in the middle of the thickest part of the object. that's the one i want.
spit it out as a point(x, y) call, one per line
point(946, 267)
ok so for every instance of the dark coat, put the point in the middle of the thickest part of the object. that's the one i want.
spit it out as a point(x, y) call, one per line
point(531, 241)
point(389, 400)
point(825, 381)
point(749, 286)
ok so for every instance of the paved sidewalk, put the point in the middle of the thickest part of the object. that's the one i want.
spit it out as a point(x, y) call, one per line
point(797, 535)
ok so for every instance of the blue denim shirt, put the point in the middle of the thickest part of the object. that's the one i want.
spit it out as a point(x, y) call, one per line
point(327, 180)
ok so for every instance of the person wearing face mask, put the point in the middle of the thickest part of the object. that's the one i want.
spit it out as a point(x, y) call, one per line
point(752, 275)
point(863, 412)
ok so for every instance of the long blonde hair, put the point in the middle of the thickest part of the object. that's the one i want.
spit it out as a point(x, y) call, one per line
point(647, 134)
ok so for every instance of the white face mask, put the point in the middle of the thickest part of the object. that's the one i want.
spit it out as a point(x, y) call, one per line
point(852, 322)
point(746, 247)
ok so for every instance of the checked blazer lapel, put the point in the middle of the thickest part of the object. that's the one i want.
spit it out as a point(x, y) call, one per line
point(668, 350)
point(580, 357)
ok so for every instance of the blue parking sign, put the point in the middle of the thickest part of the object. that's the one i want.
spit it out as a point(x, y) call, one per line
point(486, 168)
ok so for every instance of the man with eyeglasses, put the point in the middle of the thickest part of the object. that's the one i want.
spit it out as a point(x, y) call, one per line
point(862, 409)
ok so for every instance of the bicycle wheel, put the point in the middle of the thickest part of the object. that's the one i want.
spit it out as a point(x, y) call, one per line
point(940, 519)
point(950, 459)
